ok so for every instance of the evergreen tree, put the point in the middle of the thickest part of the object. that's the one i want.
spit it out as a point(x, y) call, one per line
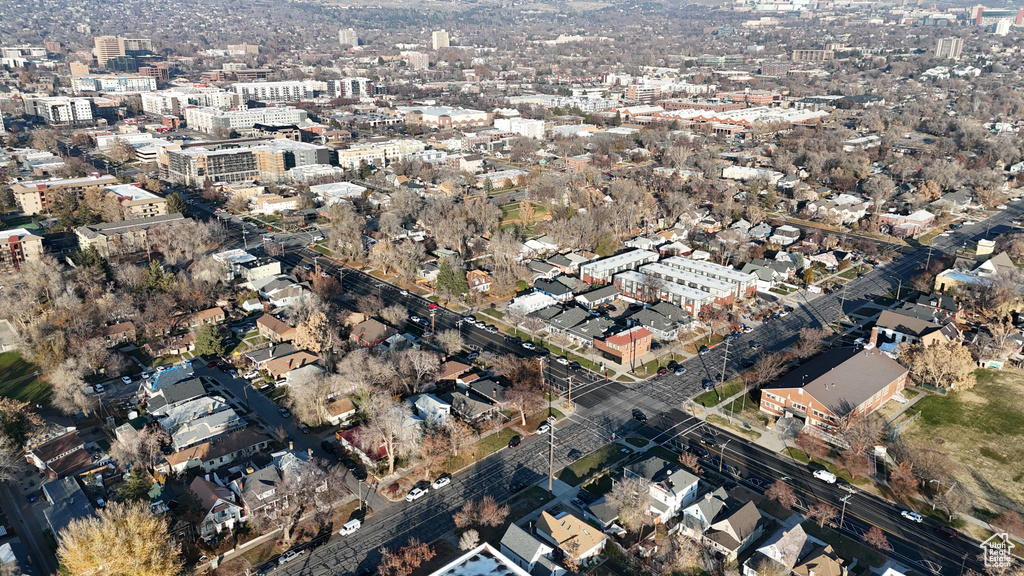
point(451, 280)
point(176, 205)
point(209, 342)
point(156, 279)
point(136, 486)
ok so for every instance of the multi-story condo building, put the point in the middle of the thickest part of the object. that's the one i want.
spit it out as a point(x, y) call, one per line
point(416, 60)
point(120, 238)
point(949, 48)
point(173, 102)
point(445, 116)
point(348, 37)
point(440, 39)
point(207, 119)
point(37, 197)
point(285, 91)
point(378, 153)
point(812, 55)
point(263, 159)
point(640, 286)
point(109, 47)
point(354, 87)
point(136, 202)
point(601, 271)
point(745, 283)
point(112, 84)
point(17, 247)
point(522, 126)
point(60, 110)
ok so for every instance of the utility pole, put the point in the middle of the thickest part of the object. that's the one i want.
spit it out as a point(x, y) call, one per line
point(725, 359)
point(721, 455)
point(929, 261)
point(551, 456)
point(843, 514)
point(570, 390)
point(899, 287)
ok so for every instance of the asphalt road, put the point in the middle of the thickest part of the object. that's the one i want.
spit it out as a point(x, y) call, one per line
point(603, 410)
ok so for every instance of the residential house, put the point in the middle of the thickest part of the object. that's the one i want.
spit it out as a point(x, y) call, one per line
point(524, 550)
point(371, 332)
point(909, 325)
point(821, 562)
point(451, 370)
point(843, 209)
point(602, 271)
point(572, 535)
point(626, 346)
point(907, 225)
point(760, 231)
point(965, 278)
point(222, 511)
point(171, 345)
point(560, 291)
point(279, 367)
point(67, 502)
point(951, 202)
point(601, 296)
point(836, 385)
point(780, 553)
point(540, 269)
point(60, 456)
point(671, 487)
point(734, 530)
point(120, 333)
point(491, 390)
point(485, 559)
point(256, 489)
point(431, 408)
point(161, 401)
point(469, 409)
point(664, 326)
point(214, 454)
point(261, 356)
point(785, 235)
point(274, 329)
point(697, 516)
point(209, 316)
point(529, 303)
point(478, 280)
point(340, 410)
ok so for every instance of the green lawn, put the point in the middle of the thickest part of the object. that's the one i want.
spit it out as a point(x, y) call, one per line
point(527, 501)
point(534, 420)
point(738, 405)
point(599, 486)
point(638, 442)
point(495, 442)
point(797, 454)
point(720, 393)
point(493, 313)
point(845, 547)
point(849, 274)
point(18, 379)
point(579, 471)
point(664, 453)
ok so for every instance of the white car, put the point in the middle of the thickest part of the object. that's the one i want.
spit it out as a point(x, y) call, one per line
point(350, 527)
point(825, 476)
point(968, 223)
point(415, 494)
point(405, 292)
point(414, 319)
point(1001, 207)
point(562, 360)
point(913, 516)
point(126, 379)
point(442, 482)
point(99, 388)
point(529, 346)
point(289, 556)
point(252, 374)
point(543, 428)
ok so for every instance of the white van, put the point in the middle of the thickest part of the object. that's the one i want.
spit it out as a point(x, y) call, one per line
point(350, 527)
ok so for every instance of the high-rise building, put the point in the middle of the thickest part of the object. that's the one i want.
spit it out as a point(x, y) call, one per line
point(212, 120)
point(813, 55)
point(135, 46)
point(439, 39)
point(353, 87)
point(284, 91)
point(1002, 27)
point(417, 60)
point(61, 110)
point(949, 48)
point(348, 37)
point(105, 48)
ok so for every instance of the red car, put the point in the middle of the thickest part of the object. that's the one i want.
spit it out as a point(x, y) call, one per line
point(211, 364)
point(432, 305)
point(662, 371)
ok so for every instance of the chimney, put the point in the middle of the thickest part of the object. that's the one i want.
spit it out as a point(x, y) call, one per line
point(291, 445)
point(310, 452)
point(874, 337)
point(494, 393)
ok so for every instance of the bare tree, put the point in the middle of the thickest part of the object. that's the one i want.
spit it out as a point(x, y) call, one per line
point(386, 428)
point(469, 540)
point(405, 560)
point(902, 479)
point(691, 462)
point(461, 438)
point(1010, 522)
point(952, 501)
point(782, 493)
point(631, 498)
point(394, 314)
point(876, 539)
point(69, 393)
point(450, 341)
point(822, 513)
point(943, 364)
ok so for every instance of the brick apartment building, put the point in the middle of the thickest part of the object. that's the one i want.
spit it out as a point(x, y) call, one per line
point(626, 346)
point(838, 385)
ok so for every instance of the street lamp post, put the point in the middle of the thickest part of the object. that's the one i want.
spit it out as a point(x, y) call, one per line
point(721, 455)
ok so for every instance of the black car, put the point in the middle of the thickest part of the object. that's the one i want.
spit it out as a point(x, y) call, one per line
point(516, 487)
point(585, 497)
point(574, 455)
point(515, 441)
point(330, 447)
point(359, 473)
point(748, 363)
point(575, 366)
point(755, 345)
point(708, 383)
point(268, 567)
point(698, 451)
point(709, 440)
point(639, 415)
point(349, 463)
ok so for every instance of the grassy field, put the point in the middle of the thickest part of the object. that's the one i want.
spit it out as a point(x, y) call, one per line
point(495, 442)
point(720, 393)
point(845, 547)
point(582, 469)
point(18, 379)
point(979, 429)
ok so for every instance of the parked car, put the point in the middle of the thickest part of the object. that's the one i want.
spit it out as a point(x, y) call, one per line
point(662, 371)
point(747, 329)
point(472, 356)
point(529, 346)
point(680, 370)
point(574, 455)
point(704, 350)
point(404, 292)
point(639, 415)
point(289, 556)
point(748, 363)
point(349, 463)
point(285, 412)
point(516, 487)
point(233, 373)
point(442, 481)
point(755, 345)
point(825, 476)
point(562, 360)
point(350, 527)
point(126, 379)
point(515, 441)
point(331, 448)
point(414, 319)
point(99, 388)
point(303, 428)
point(251, 374)
point(543, 428)
point(707, 383)
point(912, 516)
point(415, 494)
point(211, 364)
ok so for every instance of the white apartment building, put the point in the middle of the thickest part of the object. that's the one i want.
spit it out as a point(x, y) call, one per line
point(378, 153)
point(206, 119)
point(112, 84)
point(522, 126)
point(285, 91)
point(60, 110)
point(348, 37)
point(172, 102)
point(440, 39)
point(352, 87)
point(416, 60)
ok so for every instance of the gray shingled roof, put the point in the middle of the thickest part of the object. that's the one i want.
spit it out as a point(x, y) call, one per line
point(522, 543)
